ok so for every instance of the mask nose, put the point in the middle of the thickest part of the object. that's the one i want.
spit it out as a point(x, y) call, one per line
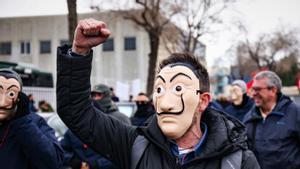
point(5, 102)
point(2, 100)
point(166, 104)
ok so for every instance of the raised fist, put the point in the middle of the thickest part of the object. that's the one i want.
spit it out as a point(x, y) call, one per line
point(89, 33)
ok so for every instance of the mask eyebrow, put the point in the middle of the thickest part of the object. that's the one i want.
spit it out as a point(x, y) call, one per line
point(160, 77)
point(12, 87)
point(178, 74)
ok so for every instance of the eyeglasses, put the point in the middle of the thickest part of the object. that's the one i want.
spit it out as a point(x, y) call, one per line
point(258, 89)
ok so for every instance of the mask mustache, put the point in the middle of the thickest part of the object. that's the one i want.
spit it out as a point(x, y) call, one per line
point(174, 113)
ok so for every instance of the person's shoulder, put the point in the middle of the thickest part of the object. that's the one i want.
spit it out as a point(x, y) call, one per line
point(37, 120)
point(249, 160)
point(35, 117)
point(120, 116)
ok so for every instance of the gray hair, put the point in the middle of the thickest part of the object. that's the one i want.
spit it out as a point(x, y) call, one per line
point(273, 79)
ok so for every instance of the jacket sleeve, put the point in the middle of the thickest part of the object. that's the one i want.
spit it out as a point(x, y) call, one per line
point(298, 122)
point(249, 160)
point(38, 142)
point(67, 147)
point(105, 135)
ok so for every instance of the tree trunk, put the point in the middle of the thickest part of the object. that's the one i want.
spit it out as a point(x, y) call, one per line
point(154, 44)
point(72, 19)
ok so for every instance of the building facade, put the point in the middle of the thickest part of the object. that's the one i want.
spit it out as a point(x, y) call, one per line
point(122, 59)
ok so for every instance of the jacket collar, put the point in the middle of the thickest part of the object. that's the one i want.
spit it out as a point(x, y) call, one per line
point(224, 134)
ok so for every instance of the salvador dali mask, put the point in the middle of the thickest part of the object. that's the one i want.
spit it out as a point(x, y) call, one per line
point(9, 89)
point(176, 99)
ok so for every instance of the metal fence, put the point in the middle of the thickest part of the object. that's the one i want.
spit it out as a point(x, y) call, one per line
point(42, 93)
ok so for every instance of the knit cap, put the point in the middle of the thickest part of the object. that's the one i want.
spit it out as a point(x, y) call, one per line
point(241, 84)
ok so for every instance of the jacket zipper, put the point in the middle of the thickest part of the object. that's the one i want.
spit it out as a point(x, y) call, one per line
point(176, 163)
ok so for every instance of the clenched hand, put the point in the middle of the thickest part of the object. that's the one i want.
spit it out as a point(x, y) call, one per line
point(89, 33)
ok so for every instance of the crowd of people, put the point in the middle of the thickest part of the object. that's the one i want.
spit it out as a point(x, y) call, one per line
point(43, 105)
point(179, 126)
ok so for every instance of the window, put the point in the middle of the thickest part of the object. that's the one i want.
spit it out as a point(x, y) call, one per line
point(25, 47)
point(64, 42)
point(108, 45)
point(129, 43)
point(45, 47)
point(5, 48)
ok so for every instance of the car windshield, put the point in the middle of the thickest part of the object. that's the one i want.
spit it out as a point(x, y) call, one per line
point(127, 108)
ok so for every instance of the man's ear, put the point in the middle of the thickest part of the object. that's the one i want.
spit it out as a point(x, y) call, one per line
point(274, 90)
point(204, 101)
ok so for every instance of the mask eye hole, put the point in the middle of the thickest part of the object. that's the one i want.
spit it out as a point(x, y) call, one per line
point(178, 89)
point(11, 94)
point(159, 90)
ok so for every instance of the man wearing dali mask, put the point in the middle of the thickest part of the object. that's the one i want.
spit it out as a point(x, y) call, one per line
point(26, 141)
point(184, 133)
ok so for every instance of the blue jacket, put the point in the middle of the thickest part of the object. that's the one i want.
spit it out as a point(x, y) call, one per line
point(75, 148)
point(241, 110)
point(275, 140)
point(29, 143)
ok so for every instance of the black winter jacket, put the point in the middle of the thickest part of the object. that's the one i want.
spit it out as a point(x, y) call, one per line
point(114, 140)
point(275, 140)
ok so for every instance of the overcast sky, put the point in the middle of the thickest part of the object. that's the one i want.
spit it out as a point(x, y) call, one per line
point(260, 16)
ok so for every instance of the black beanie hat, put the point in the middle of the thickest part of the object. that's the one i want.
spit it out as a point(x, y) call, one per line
point(8, 73)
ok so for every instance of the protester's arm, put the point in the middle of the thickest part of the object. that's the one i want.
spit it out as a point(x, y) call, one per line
point(107, 136)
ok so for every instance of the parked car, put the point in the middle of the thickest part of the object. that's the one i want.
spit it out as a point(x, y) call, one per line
point(54, 121)
point(127, 108)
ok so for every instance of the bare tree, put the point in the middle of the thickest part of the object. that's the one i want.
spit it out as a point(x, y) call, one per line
point(153, 18)
point(267, 49)
point(197, 17)
point(72, 18)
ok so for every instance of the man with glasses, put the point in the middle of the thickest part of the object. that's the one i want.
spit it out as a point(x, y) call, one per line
point(273, 124)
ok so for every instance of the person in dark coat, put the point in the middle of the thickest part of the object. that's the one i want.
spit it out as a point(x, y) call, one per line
point(78, 153)
point(144, 110)
point(241, 103)
point(184, 133)
point(273, 124)
point(32, 107)
point(102, 99)
point(26, 141)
